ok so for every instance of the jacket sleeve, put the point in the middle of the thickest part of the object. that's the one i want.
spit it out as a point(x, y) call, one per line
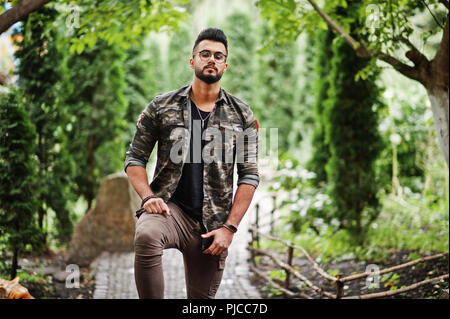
point(247, 154)
point(144, 139)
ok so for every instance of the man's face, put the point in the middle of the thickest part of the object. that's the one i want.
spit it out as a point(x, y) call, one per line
point(209, 71)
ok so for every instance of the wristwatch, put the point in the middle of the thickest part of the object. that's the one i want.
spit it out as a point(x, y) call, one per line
point(230, 227)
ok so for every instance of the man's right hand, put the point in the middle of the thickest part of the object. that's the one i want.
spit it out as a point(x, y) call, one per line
point(156, 206)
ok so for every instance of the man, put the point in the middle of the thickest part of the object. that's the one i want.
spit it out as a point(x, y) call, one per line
point(189, 204)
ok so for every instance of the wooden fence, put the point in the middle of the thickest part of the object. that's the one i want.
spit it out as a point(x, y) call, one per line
point(338, 280)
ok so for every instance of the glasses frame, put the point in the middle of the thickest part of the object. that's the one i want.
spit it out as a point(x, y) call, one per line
point(212, 55)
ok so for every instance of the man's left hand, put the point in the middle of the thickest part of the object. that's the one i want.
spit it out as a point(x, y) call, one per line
point(222, 240)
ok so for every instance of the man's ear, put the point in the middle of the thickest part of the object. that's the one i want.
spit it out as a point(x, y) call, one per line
point(191, 63)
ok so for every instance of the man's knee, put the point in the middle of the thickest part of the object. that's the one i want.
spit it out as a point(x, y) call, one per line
point(149, 235)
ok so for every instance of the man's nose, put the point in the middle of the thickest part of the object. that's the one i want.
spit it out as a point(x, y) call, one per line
point(212, 58)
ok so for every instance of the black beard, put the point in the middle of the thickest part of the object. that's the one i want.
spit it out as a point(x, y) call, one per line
point(207, 78)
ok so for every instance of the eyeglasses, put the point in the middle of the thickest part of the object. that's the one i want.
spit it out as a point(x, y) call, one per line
point(205, 55)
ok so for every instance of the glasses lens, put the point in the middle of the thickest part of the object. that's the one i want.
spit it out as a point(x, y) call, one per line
point(219, 57)
point(206, 55)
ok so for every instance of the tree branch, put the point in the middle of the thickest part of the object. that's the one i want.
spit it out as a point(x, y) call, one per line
point(19, 12)
point(360, 49)
point(417, 57)
point(440, 62)
point(406, 70)
point(397, 291)
point(394, 268)
point(277, 286)
point(419, 60)
point(445, 3)
point(432, 14)
point(297, 274)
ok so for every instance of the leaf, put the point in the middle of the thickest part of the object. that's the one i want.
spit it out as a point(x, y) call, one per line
point(333, 272)
point(80, 47)
point(72, 48)
point(414, 256)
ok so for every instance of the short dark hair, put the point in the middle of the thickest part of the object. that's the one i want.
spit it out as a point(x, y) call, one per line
point(212, 34)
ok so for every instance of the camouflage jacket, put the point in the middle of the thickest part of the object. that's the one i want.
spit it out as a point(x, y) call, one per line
point(232, 135)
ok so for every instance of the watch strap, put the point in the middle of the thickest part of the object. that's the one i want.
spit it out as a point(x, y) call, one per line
point(230, 227)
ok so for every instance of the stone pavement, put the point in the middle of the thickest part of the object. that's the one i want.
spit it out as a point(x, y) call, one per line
point(115, 272)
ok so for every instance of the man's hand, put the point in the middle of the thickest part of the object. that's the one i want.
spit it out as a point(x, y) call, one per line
point(156, 206)
point(222, 240)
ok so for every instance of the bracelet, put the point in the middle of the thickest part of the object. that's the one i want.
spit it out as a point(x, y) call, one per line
point(230, 227)
point(147, 198)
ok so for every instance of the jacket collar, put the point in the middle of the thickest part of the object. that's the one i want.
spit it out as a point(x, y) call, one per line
point(222, 94)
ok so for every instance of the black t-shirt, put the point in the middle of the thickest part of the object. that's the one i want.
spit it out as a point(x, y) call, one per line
point(189, 193)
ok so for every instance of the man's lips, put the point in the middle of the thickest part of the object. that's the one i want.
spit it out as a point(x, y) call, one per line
point(210, 67)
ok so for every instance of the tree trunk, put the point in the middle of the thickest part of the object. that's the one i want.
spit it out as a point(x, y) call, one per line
point(40, 155)
point(91, 171)
point(19, 12)
point(14, 264)
point(440, 105)
point(437, 85)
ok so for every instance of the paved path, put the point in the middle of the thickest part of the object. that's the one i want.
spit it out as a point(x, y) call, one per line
point(115, 272)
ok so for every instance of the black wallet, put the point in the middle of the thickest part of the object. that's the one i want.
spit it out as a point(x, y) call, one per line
point(206, 242)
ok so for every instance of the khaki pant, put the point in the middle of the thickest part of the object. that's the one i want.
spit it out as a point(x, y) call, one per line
point(156, 232)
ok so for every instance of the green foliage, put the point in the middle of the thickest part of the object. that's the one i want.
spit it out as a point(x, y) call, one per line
point(26, 277)
point(306, 79)
point(407, 126)
point(279, 275)
point(333, 272)
point(416, 222)
point(40, 76)
point(118, 23)
point(239, 78)
point(282, 16)
point(390, 280)
point(275, 101)
point(18, 202)
point(351, 131)
point(112, 63)
point(346, 136)
point(380, 22)
point(144, 78)
point(180, 50)
point(306, 203)
point(97, 115)
point(272, 292)
point(384, 21)
point(443, 284)
point(322, 65)
point(414, 256)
